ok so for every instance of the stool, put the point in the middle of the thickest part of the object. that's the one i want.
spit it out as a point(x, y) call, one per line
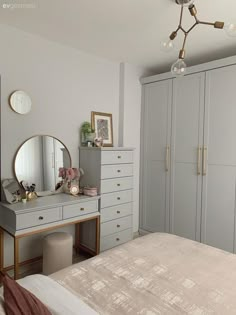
point(57, 252)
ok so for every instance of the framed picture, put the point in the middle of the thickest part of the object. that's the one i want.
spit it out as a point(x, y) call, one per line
point(102, 124)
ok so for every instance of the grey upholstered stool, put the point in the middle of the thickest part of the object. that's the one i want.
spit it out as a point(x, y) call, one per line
point(57, 252)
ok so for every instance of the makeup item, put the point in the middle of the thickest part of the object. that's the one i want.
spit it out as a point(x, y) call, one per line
point(90, 191)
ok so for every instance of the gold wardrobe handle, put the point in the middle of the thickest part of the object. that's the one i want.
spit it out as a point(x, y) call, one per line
point(204, 166)
point(167, 158)
point(199, 153)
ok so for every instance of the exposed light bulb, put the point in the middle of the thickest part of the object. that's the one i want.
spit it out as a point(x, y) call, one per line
point(185, 3)
point(179, 68)
point(167, 45)
point(230, 29)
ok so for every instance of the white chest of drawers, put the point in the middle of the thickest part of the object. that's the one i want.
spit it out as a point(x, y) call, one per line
point(111, 170)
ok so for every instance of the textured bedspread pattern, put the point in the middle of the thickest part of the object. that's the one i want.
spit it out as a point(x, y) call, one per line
point(156, 274)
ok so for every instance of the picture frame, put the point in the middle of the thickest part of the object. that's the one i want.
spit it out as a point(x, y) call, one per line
point(102, 124)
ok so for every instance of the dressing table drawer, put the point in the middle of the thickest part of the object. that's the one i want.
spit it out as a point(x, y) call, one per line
point(115, 171)
point(116, 157)
point(116, 198)
point(117, 184)
point(78, 209)
point(31, 219)
point(116, 212)
point(115, 226)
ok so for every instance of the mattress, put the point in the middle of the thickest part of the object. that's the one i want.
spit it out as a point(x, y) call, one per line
point(156, 274)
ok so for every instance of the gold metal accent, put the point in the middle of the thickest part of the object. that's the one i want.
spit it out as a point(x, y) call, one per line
point(173, 35)
point(17, 238)
point(193, 10)
point(81, 209)
point(182, 54)
point(204, 167)
point(167, 158)
point(14, 162)
point(199, 160)
point(219, 25)
point(118, 212)
point(1, 249)
point(118, 185)
point(118, 225)
point(119, 156)
point(117, 239)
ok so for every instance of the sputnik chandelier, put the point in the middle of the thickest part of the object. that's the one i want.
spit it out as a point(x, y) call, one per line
point(179, 67)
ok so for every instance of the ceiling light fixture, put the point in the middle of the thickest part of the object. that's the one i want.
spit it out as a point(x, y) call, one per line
point(179, 67)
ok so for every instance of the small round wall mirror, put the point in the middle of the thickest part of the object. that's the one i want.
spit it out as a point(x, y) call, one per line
point(20, 102)
point(38, 161)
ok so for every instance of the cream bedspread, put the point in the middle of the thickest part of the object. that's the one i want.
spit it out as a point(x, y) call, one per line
point(156, 274)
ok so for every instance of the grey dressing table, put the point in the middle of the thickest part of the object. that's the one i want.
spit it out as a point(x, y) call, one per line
point(44, 214)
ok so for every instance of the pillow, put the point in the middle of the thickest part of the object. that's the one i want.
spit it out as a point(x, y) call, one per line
point(19, 301)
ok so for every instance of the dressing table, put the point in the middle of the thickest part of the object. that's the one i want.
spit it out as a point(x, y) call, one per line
point(37, 162)
point(45, 214)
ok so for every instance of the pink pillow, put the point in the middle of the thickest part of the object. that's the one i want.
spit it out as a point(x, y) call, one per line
point(19, 301)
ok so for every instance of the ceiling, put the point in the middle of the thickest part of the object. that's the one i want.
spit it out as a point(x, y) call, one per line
point(127, 30)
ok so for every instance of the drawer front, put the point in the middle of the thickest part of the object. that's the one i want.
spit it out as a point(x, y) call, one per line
point(30, 219)
point(115, 239)
point(116, 212)
point(115, 226)
point(116, 198)
point(117, 157)
point(115, 171)
point(78, 209)
point(110, 185)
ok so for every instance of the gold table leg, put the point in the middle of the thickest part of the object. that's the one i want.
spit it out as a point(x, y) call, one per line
point(1, 249)
point(16, 258)
point(97, 249)
point(77, 237)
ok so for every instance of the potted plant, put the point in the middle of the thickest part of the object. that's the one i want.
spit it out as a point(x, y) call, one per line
point(87, 133)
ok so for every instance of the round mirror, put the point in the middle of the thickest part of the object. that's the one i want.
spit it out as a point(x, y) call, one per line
point(20, 102)
point(38, 161)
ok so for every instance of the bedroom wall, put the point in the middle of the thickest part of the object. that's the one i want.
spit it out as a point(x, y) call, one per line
point(130, 119)
point(65, 86)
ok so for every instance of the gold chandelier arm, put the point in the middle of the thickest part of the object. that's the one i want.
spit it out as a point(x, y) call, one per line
point(192, 27)
point(181, 16)
point(206, 23)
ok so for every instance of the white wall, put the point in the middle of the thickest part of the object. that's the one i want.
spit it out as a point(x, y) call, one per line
point(130, 118)
point(65, 86)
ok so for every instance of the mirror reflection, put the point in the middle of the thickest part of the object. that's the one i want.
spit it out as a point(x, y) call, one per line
point(20, 102)
point(38, 161)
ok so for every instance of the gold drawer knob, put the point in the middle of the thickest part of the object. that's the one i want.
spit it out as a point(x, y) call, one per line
point(117, 239)
point(118, 171)
point(119, 156)
point(81, 209)
point(40, 218)
point(118, 225)
point(118, 212)
point(118, 185)
point(118, 198)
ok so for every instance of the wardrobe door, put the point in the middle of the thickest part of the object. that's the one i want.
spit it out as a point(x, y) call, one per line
point(186, 146)
point(155, 176)
point(218, 216)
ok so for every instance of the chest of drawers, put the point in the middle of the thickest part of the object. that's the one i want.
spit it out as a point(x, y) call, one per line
point(111, 170)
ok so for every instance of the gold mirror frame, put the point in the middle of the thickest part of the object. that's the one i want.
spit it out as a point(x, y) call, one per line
point(15, 157)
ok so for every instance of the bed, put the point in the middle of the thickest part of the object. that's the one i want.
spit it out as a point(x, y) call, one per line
point(155, 274)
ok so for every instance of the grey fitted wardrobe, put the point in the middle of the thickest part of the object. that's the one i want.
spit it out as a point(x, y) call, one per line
point(189, 156)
